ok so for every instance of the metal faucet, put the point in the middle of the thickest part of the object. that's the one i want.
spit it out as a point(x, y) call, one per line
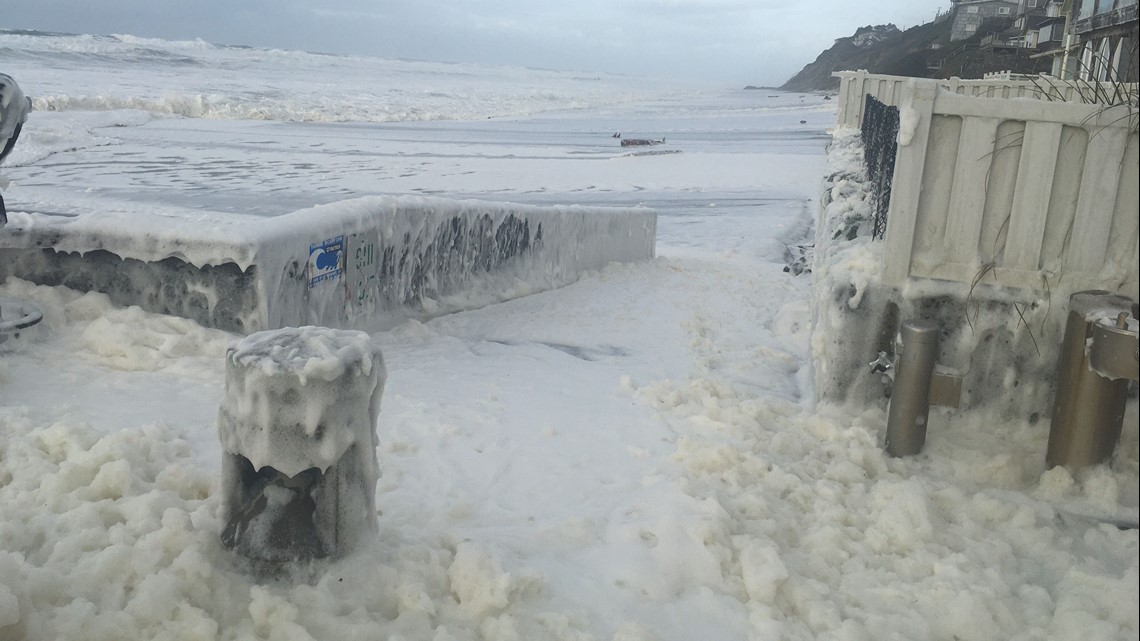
point(881, 364)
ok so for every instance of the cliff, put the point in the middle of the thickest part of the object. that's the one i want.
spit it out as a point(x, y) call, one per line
point(879, 49)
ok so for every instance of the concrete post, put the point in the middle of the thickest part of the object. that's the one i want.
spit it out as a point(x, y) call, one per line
point(298, 427)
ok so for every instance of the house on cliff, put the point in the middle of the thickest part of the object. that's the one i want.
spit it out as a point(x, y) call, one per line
point(1042, 25)
point(970, 14)
point(1103, 41)
point(1089, 40)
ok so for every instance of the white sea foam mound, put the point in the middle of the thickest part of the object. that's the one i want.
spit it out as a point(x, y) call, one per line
point(111, 537)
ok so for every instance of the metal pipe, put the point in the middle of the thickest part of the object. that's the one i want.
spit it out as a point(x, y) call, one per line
point(910, 397)
point(1088, 412)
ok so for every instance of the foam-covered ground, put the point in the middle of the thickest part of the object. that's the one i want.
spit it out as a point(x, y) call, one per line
point(628, 458)
point(634, 457)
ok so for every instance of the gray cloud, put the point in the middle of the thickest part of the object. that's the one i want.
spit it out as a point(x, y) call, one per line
point(728, 42)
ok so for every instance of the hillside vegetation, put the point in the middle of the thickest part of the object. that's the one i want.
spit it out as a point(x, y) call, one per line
point(924, 51)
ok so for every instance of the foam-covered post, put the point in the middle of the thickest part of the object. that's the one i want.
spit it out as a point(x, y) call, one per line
point(1088, 411)
point(298, 427)
point(910, 396)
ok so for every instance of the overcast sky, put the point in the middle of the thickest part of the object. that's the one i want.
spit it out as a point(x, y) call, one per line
point(727, 42)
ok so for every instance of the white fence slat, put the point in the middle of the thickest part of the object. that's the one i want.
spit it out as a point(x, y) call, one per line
point(1031, 196)
point(841, 103)
point(1000, 190)
point(907, 185)
point(1123, 237)
point(1135, 275)
point(860, 96)
point(968, 198)
point(1063, 201)
point(1099, 183)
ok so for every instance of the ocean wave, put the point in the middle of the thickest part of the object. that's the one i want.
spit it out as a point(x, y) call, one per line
point(188, 106)
point(114, 44)
point(197, 79)
point(221, 107)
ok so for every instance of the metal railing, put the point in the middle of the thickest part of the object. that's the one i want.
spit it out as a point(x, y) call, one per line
point(880, 130)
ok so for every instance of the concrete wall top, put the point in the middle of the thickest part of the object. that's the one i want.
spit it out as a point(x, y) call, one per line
point(360, 263)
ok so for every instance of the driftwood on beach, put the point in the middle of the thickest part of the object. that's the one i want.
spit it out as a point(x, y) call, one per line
point(640, 142)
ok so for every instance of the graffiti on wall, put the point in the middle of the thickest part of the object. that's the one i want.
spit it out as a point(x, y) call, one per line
point(404, 271)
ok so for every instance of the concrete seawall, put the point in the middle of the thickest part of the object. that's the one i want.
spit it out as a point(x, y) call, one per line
point(366, 263)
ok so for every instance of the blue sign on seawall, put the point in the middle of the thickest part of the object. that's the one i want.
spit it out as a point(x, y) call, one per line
point(326, 261)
